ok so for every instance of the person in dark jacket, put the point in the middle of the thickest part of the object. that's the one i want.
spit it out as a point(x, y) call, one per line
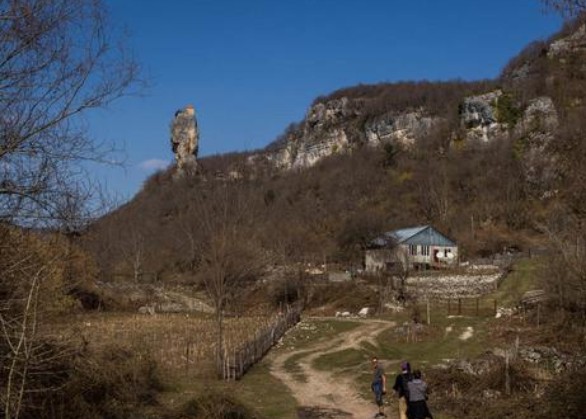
point(401, 389)
point(417, 395)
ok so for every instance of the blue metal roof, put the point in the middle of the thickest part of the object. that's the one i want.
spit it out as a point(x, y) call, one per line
point(421, 235)
point(405, 233)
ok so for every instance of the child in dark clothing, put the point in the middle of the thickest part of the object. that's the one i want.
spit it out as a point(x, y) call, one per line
point(401, 389)
point(417, 407)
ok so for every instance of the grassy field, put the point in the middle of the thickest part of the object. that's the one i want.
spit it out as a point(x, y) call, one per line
point(183, 347)
point(266, 394)
point(523, 277)
point(447, 337)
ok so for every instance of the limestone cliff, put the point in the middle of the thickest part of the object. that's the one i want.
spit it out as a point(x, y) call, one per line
point(185, 140)
point(521, 107)
point(339, 126)
point(575, 42)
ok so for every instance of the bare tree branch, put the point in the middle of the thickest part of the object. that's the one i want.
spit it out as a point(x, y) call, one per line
point(567, 8)
point(57, 61)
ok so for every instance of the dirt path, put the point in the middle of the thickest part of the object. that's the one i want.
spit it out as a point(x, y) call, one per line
point(320, 394)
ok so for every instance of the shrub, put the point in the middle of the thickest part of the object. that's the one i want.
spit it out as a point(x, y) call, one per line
point(213, 405)
point(115, 382)
point(564, 397)
point(287, 291)
point(507, 111)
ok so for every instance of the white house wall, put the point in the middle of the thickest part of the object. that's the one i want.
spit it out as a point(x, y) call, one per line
point(431, 259)
point(376, 260)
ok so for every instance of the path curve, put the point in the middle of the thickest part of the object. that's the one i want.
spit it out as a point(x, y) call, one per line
point(334, 398)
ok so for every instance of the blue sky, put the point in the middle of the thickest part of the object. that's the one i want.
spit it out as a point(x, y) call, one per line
point(252, 67)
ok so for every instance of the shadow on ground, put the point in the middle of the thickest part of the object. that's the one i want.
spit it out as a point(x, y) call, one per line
point(321, 413)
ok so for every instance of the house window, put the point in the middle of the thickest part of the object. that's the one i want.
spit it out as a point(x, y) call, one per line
point(413, 249)
point(425, 250)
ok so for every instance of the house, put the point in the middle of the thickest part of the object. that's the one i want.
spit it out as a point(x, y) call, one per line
point(420, 247)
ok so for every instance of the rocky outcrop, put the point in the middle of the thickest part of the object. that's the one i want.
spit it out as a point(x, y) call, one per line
point(534, 133)
point(403, 129)
point(322, 134)
point(576, 42)
point(373, 116)
point(185, 140)
point(151, 299)
point(308, 153)
point(479, 118)
point(324, 114)
point(340, 125)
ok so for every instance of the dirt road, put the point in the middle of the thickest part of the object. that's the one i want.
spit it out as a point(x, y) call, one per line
point(320, 394)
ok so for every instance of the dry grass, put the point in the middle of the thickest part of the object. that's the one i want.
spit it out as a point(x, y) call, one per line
point(180, 344)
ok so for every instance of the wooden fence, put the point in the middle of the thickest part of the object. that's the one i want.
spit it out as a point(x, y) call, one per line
point(463, 306)
point(236, 361)
point(471, 307)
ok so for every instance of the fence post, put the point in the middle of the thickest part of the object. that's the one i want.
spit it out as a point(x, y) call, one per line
point(477, 307)
point(449, 306)
point(495, 307)
point(238, 362)
point(234, 366)
point(223, 361)
point(187, 359)
point(459, 306)
point(507, 374)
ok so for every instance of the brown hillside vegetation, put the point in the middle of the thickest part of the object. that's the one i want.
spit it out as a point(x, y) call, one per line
point(477, 193)
point(238, 240)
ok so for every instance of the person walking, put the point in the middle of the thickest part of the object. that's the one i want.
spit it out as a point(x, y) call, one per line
point(379, 387)
point(417, 407)
point(401, 388)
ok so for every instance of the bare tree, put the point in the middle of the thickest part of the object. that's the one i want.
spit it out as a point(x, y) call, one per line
point(187, 239)
point(400, 273)
point(34, 270)
point(568, 8)
point(357, 233)
point(57, 61)
point(229, 250)
point(564, 276)
point(131, 246)
point(20, 334)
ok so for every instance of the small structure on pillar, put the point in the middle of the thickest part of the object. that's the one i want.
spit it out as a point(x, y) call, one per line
point(185, 140)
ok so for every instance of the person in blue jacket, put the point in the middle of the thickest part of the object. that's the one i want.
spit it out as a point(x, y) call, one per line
point(379, 386)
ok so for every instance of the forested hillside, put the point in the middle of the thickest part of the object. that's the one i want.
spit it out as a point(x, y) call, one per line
point(135, 312)
point(508, 182)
